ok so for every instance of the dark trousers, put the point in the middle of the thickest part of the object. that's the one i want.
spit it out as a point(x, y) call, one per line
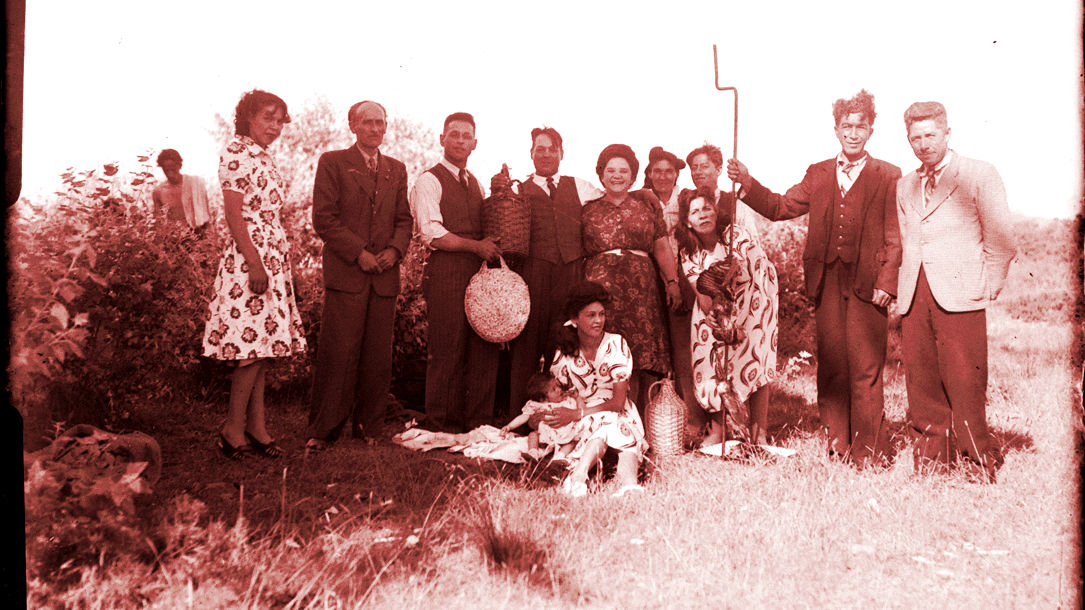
point(549, 286)
point(461, 370)
point(851, 338)
point(353, 369)
point(945, 364)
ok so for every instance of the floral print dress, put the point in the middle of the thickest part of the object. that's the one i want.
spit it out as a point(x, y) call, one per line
point(618, 242)
point(594, 381)
point(750, 364)
point(244, 325)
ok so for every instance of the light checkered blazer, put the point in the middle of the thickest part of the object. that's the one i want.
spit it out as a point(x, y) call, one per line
point(963, 238)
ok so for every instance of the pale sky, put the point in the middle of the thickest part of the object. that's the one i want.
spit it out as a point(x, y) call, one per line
point(110, 79)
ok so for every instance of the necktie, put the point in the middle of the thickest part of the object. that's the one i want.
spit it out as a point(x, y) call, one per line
point(553, 188)
point(928, 186)
point(463, 180)
point(846, 178)
point(372, 163)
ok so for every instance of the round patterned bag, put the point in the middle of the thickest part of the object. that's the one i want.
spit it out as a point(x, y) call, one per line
point(497, 303)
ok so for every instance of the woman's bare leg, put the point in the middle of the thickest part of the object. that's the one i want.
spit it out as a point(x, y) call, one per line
point(759, 415)
point(242, 381)
point(257, 422)
point(593, 452)
point(628, 468)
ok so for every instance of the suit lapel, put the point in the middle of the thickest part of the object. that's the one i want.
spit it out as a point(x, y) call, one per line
point(360, 171)
point(946, 185)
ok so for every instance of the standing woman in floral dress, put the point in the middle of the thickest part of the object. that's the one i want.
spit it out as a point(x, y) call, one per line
point(732, 379)
point(625, 237)
point(253, 314)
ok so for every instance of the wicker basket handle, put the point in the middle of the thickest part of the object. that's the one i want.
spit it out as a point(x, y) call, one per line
point(484, 266)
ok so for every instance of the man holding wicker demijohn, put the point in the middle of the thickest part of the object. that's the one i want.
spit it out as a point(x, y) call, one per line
point(555, 259)
point(851, 262)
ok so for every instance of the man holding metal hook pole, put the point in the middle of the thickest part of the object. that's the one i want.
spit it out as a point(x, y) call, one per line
point(851, 262)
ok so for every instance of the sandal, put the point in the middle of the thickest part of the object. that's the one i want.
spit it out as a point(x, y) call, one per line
point(628, 488)
point(270, 449)
point(231, 452)
point(576, 490)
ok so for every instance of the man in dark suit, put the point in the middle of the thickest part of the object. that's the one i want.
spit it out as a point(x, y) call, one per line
point(958, 245)
point(360, 210)
point(851, 261)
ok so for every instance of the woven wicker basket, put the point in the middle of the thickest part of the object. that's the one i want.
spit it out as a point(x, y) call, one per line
point(666, 415)
point(506, 217)
point(497, 303)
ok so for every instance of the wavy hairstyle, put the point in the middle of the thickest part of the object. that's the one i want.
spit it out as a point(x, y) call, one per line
point(688, 243)
point(860, 103)
point(253, 102)
point(581, 294)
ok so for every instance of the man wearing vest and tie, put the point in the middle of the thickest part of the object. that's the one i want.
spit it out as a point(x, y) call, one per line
point(554, 261)
point(851, 261)
point(958, 243)
point(446, 200)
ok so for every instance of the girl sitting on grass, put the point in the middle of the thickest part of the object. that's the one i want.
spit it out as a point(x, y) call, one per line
point(544, 394)
point(597, 364)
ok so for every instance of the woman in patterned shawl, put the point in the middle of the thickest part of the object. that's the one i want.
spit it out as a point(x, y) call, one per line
point(624, 238)
point(253, 314)
point(731, 377)
point(597, 364)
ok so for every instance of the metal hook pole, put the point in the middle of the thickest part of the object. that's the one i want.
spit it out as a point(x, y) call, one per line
point(734, 149)
point(730, 229)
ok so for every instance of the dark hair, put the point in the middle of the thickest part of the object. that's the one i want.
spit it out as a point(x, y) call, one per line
point(926, 111)
point(253, 102)
point(537, 385)
point(617, 150)
point(169, 155)
point(656, 155)
point(549, 132)
point(350, 113)
point(687, 241)
point(458, 116)
point(715, 155)
point(860, 103)
point(580, 296)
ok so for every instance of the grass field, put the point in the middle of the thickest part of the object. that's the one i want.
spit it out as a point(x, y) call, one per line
point(378, 526)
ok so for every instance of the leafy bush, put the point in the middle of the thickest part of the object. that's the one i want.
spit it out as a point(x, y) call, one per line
point(79, 508)
point(107, 303)
point(784, 243)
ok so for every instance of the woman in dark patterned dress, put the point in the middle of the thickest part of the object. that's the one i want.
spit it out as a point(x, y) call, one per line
point(623, 232)
point(253, 314)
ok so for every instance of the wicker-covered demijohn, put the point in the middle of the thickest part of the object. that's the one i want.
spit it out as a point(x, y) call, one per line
point(666, 419)
point(497, 303)
point(506, 217)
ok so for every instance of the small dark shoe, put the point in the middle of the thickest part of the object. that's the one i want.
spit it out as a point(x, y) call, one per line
point(315, 445)
point(270, 449)
point(231, 452)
